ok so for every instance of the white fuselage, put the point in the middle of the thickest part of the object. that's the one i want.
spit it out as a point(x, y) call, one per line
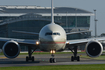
point(52, 37)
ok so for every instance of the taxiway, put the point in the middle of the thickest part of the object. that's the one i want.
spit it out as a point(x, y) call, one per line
point(42, 60)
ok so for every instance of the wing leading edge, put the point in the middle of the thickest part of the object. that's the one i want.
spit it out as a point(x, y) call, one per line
point(84, 41)
point(22, 41)
point(77, 32)
point(32, 33)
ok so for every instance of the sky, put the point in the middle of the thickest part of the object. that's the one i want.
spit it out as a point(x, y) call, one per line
point(88, 5)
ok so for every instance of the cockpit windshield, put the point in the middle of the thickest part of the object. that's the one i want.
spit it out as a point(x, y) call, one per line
point(50, 33)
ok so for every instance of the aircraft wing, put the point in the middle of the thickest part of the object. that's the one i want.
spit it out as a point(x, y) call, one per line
point(22, 41)
point(84, 41)
point(77, 32)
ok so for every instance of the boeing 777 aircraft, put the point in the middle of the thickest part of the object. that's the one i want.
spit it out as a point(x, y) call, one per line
point(52, 38)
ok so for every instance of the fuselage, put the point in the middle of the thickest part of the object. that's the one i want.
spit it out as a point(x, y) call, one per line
point(52, 37)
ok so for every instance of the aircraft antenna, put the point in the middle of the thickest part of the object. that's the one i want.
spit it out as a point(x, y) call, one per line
point(52, 11)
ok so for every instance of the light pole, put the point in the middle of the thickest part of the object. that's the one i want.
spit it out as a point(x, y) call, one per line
point(96, 27)
point(66, 22)
point(76, 19)
point(95, 23)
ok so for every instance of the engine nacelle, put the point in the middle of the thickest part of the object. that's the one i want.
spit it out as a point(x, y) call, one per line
point(11, 49)
point(94, 48)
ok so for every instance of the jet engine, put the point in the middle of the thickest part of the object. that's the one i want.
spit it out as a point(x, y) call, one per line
point(11, 49)
point(94, 48)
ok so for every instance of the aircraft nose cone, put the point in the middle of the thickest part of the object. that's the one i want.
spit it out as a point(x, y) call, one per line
point(52, 38)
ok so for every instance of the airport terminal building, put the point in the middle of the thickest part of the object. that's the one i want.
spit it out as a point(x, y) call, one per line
point(33, 18)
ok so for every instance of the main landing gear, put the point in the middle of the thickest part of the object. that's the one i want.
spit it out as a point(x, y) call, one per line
point(75, 57)
point(52, 60)
point(30, 57)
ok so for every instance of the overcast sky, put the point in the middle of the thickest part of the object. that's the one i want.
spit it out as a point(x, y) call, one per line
point(88, 5)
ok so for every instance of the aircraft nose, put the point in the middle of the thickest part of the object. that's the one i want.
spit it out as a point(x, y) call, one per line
point(53, 38)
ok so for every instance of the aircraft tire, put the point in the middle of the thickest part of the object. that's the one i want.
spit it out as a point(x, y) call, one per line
point(72, 58)
point(32, 58)
point(54, 60)
point(78, 58)
point(26, 58)
point(51, 60)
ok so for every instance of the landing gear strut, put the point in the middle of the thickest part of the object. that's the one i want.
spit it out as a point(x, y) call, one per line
point(30, 57)
point(52, 60)
point(75, 57)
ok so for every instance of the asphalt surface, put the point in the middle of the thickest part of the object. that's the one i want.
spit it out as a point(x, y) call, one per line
point(43, 60)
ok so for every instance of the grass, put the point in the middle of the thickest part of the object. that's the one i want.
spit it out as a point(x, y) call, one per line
point(46, 53)
point(1, 53)
point(102, 57)
point(39, 53)
point(59, 67)
point(97, 58)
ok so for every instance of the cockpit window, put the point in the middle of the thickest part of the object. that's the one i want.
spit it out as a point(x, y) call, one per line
point(58, 33)
point(50, 33)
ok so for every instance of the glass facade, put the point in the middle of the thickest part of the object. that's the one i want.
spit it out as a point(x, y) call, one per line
point(34, 23)
point(33, 18)
point(71, 21)
point(27, 25)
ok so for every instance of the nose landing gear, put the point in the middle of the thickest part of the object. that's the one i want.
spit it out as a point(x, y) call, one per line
point(52, 60)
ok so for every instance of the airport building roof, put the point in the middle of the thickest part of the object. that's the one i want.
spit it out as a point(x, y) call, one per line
point(44, 11)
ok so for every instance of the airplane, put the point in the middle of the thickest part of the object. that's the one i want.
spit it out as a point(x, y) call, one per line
point(52, 38)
